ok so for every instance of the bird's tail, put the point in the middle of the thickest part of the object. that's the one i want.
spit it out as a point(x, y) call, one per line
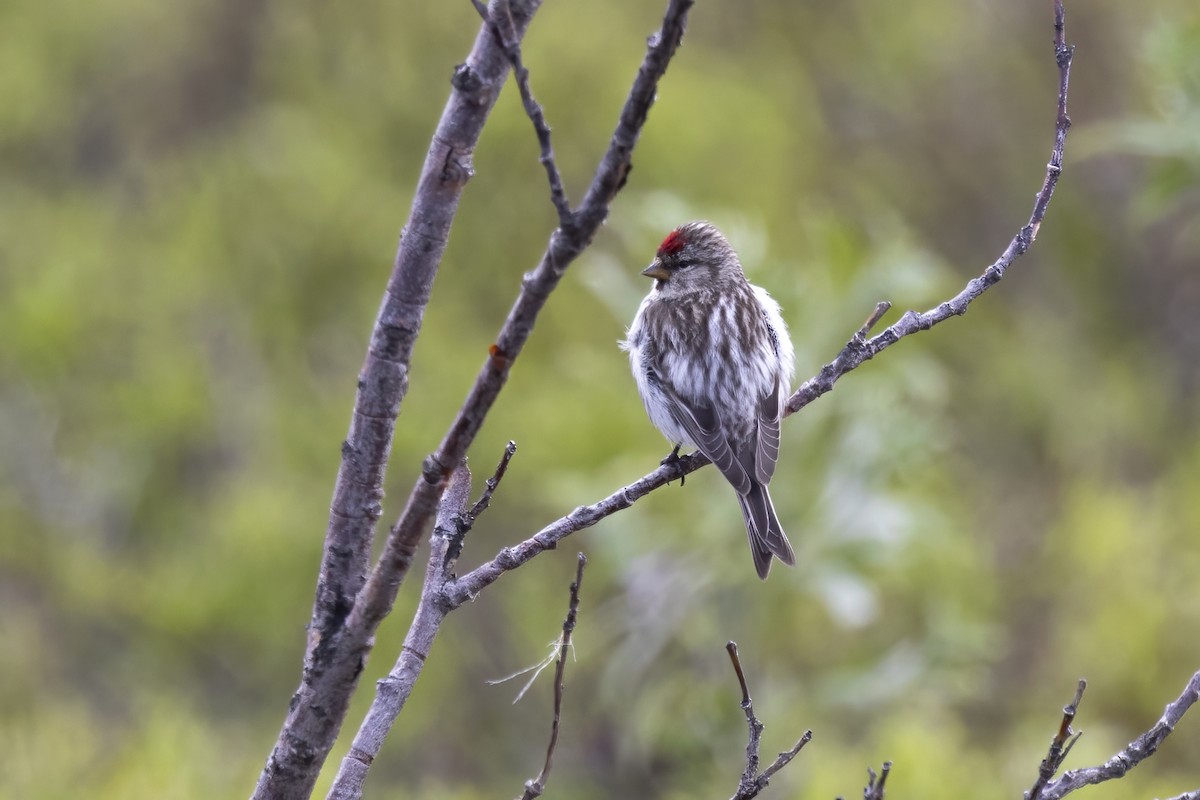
point(763, 529)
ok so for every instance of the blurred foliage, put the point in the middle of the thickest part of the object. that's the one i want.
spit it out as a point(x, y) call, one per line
point(197, 212)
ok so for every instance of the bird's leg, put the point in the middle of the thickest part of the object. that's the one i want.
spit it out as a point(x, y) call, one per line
point(672, 459)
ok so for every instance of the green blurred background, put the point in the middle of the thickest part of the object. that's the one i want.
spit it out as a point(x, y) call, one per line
point(198, 209)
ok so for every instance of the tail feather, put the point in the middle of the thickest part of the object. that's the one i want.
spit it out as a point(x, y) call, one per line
point(763, 530)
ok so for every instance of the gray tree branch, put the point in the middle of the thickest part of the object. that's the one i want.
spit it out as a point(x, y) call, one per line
point(875, 783)
point(332, 665)
point(504, 31)
point(752, 780)
point(348, 609)
point(566, 243)
point(392, 692)
point(454, 521)
point(1133, 754)
point(1060, 745)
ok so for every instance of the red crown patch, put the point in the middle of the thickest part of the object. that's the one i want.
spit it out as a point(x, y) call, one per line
point(672, 244)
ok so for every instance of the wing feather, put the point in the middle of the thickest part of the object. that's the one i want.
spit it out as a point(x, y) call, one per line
point(703, 425)
point(770, 412)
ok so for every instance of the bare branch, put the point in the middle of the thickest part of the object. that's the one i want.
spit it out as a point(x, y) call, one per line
point(1060, 745)
point(911, 322)
point(331, 667)
point(467, 521)
point(485, 499)
point(535, 787)
point(752, 722)
point(349, 610)
point(566, 243)
point(752, 781)
point(875, 783)
point(509, 40)
point(392, 692)
point(857, 351)
point(783, 758)
point(1134, 753)
point(470, 585)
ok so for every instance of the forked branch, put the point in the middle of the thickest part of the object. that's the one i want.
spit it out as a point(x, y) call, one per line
point(752, 781)
point(1133, 754)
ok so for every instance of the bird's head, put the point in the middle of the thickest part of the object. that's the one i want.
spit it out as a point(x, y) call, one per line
point(693, 257)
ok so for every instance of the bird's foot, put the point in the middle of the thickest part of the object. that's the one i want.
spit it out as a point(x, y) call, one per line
point(671, 460)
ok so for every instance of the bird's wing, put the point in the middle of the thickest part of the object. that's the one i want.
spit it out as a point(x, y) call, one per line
point(770, 412)
point(703, 424)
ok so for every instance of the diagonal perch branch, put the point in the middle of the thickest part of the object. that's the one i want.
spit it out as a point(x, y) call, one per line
point(913, 322)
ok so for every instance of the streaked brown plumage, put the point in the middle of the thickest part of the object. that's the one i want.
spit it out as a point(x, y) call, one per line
point(713, 363)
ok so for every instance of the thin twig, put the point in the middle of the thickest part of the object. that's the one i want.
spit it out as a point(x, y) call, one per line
point(491, 483)
point(875, 783)
point(752, 781)
point(1134, 753)
point(881, 308)
point(512, 47)
point(752, 722)
point(786, 756)
point(858, 350)
point(535, 787)
point(457, 535)
point(1060, 745)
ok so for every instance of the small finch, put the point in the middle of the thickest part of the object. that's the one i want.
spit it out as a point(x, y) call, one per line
point(713, 363)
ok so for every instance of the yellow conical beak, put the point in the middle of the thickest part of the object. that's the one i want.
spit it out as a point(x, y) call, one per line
point(656, 270)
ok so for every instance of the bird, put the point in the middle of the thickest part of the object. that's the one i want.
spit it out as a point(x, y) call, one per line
point(713, 364)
